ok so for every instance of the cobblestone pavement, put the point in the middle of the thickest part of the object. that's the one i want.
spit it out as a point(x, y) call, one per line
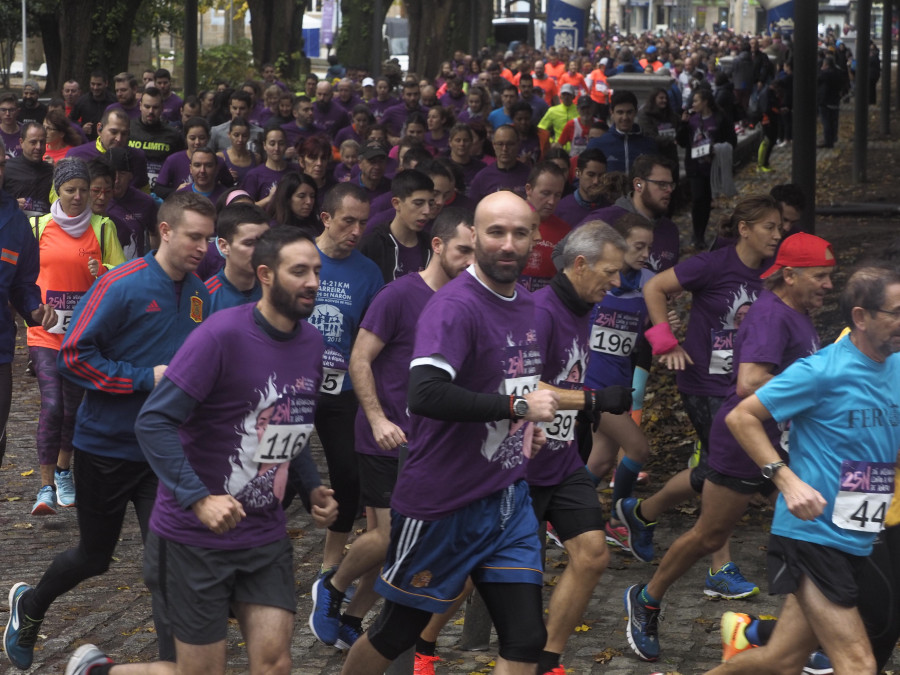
point(113, 610)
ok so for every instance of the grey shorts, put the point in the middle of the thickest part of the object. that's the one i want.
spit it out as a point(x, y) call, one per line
point(199, 585)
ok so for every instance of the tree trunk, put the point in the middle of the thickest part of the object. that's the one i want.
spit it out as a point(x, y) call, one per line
point(275, 27)
point(48, 24)
point(354, 44)
point(95, 34)
point(429, 23)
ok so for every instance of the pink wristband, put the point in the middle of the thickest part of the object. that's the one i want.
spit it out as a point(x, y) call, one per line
point(661, 338)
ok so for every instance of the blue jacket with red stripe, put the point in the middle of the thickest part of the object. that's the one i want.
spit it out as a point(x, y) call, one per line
point(223, 294)
point(131, 320)
point(19, 267)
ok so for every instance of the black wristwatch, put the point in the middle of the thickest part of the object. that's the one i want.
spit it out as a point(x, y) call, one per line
point(768, 471)
point(519, 407)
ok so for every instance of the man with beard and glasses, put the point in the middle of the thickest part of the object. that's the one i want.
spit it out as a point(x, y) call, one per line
point(378, 365)
point(834, 496)
point(220, 439)
point(508, 173)
point(348, 283)
point(460, 506)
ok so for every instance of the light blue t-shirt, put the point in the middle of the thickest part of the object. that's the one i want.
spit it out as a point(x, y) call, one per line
point(346, 287)
point(844, 438)
point(498, 118)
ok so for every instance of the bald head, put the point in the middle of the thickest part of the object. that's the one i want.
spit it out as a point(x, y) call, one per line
point(505, 227)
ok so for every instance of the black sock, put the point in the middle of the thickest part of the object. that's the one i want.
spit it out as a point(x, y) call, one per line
point(327, 584)
point(352, 621)
point(27, 607)
point(547, 661)
point(425, 647)
point(60, 469)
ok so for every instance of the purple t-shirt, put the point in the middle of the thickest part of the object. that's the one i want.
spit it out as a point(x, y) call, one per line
point(12, 141)
point(261, 180)
point(331, 120)
point(771, 333)
point(248, 425)
point(293, 133)
point(134, 113)
point(457, 104)
point(348, 133)
point(723, 288)
point(563, 339)
point(171, 109)
point(492, 179)
point(491, 344)
point(469, 171)
point(571, 211)
point(409, 260)
point(392, 317)
point(395, 117)
point(134, 215)
point(378, 107)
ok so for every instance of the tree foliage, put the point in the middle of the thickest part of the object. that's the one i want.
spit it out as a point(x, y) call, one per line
point(232, 63)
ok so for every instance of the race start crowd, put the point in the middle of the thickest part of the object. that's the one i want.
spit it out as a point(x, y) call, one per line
point(460, 291)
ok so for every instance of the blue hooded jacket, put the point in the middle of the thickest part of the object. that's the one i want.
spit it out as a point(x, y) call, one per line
point(19, 266)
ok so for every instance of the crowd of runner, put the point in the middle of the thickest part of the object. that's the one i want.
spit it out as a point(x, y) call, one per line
point(459, 284)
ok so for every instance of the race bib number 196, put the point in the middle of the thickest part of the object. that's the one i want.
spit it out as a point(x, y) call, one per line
point(865, 492)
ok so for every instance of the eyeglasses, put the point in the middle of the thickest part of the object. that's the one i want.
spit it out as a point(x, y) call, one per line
point(97, 192)
point(893, 313)
point(49, 129)
point(7, 111)
point(664, 185)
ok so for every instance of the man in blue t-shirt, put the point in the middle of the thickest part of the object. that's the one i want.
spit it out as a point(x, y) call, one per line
point(845, 431)
point(240, 227)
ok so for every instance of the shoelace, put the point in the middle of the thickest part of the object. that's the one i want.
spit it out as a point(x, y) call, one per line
point(28, 632)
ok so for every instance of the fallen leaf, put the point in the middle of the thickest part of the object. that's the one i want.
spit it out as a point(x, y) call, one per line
point(27, 473)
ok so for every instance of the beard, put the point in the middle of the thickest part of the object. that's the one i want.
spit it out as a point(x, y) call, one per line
point(286, 304)
point(488, 263)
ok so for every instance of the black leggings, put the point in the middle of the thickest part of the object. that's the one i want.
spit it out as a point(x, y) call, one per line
point(335, 419)
point(701, 205)
point(105, 486)
point(515, 610)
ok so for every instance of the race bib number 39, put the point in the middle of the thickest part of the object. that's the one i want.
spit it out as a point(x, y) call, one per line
point(865, 492)
point(562, 428)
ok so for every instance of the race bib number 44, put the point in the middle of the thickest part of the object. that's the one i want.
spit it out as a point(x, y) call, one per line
point(866, 489)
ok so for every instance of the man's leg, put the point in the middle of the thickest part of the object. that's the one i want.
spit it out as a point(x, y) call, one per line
point(721, 508)
point(199, 659)
point(787, 651)
point(267, 631)
point(368, 551)
point(588, 558)
point(393, 632)
point(515, 610)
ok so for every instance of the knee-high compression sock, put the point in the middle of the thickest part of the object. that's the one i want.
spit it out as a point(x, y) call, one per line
point(626, 474)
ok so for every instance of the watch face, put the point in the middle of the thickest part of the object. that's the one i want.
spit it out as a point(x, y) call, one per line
point(521, 408)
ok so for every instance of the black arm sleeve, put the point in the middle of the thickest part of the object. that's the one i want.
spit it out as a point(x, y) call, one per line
point(433, 394)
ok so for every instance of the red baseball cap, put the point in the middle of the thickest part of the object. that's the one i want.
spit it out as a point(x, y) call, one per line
point(802, 250)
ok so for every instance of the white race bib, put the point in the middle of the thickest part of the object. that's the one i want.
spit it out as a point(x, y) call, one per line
point(64, 303)
point(866, 489)
point(562, 428)
point(612, 341)
point(700, 150)
point(521, 386)
point(722, 352)
point(282, 442)
point(332, 381)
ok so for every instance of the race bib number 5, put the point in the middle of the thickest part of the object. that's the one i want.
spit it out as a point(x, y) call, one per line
point(64, 303)
point(865, 492)
point(332, 381)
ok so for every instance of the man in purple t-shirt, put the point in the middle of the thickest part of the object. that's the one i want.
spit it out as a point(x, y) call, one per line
point(328, 116)
point(775, 332)
point(378, 365)
point(508, 173)
point(220, 439)
point(561, 489)
point(461, 505)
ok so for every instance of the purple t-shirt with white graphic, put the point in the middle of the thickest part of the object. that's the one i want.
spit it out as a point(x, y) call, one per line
point(261, 180)
point(491, 344)
point(666, 246)
point(392, 317)
point(250, 422)
point(723, 290)
point(378, 107)
point(329, 120)
point(493, 179)
point(772, 333)
point(563, 339)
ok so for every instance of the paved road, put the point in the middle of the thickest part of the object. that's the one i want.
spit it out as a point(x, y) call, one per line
point(114, 610)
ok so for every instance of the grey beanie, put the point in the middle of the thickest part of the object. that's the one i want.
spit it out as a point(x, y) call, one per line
point(69, 168)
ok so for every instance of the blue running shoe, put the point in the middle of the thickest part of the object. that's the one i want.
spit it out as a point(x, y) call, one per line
point(818, 664)
point(325, 617)
point(347, 635)
point(65, 487)
point(21, 630)
point(643, 625)
point(46, 502)
point(729, 583)
point(640, 534)
point(85, 658)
